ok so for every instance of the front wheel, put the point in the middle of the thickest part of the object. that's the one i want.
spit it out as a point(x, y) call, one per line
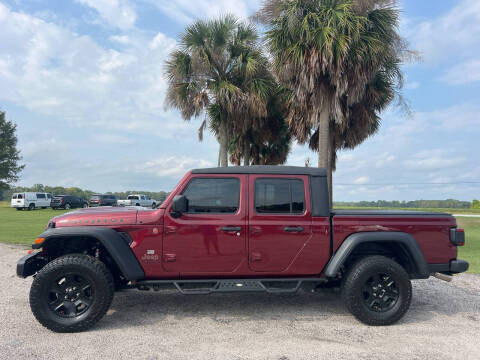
point(71, 293)
point(377, 291)
point(154, 206)
point(31, 207)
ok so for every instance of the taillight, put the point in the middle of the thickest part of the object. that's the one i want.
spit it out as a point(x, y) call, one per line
point(457, 236)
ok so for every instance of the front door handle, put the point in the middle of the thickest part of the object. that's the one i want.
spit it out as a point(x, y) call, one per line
point(293, 229)
point(231, 228)
point(169, 257)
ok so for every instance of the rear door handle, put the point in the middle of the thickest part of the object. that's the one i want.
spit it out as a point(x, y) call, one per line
point(231, 228)
point(293, 229)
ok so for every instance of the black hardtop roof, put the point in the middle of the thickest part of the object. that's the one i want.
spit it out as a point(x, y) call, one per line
point(264, 169)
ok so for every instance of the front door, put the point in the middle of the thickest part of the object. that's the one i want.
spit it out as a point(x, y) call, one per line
point(280, 221)
point(210, 237)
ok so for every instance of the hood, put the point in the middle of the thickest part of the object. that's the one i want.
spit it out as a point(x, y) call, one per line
point(108, 216)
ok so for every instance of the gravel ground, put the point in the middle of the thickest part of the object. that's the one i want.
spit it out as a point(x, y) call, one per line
point(443, 323)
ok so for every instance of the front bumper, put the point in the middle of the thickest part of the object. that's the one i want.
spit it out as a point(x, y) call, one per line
point(453, 267)
point(30, 264)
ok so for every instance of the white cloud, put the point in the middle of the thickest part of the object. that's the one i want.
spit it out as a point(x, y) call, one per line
point(361, 180)
point(185, 11)
point(433, 160)
point(412, 85)
point(116, 13)
point(463, 73)
point(53, 71)
point(458, 31)
point(171, 166)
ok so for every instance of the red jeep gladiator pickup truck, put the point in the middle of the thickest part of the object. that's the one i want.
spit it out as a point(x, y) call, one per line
point(254, 228)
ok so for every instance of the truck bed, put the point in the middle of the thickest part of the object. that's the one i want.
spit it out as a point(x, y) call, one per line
point(370, 212)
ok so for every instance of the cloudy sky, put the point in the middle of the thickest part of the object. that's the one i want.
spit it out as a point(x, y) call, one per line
point(84, 82)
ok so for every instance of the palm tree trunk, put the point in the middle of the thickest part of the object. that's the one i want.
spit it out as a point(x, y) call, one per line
point(324, 143)
point(246, 152)
point(223, 143)
point(331, 166)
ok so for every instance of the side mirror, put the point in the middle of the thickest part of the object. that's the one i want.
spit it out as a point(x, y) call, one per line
point(179, 205)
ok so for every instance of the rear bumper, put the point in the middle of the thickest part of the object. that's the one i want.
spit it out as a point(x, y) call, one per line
point(30, 264)
point(453, 267)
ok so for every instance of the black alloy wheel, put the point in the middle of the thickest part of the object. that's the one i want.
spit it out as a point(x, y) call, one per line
point(377, 290)
point(70, 295)
point(380, 292)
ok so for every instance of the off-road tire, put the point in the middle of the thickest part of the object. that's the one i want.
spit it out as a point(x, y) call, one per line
point(85, 266)
point(356, 298)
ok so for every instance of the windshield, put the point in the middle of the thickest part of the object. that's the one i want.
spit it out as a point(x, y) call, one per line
point(132, 197)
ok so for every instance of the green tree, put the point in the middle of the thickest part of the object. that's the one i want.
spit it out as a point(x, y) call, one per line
point(219, 69)
point(266, 140)
point(332, 53)
point(9, 155)
point(475, 204)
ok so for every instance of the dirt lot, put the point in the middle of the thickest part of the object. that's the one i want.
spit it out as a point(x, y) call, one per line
point(443, 323)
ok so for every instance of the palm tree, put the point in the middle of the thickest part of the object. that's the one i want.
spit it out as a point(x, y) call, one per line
point(267, 139)
point(219, 70)
point(330, 52)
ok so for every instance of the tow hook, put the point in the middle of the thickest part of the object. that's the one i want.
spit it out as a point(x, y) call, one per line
point(442, 277)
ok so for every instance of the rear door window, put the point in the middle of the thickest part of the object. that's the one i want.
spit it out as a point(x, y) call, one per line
point(213, 195)
point(279, 196)
point(14, 196)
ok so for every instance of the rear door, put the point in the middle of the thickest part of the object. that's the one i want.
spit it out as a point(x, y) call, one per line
point(280, 221)
point(211, 236)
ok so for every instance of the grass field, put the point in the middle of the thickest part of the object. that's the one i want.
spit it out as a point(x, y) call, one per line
point(22, 227)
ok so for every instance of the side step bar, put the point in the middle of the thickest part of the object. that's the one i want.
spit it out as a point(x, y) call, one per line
point(191, 287)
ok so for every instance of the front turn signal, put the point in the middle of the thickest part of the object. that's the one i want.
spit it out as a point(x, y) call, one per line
point(39, 240)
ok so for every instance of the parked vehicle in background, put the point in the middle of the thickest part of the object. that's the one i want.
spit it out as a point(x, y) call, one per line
point(68, 202)
point(246, 229)
point(138, 200)
point(31, 200)
point(102, 200)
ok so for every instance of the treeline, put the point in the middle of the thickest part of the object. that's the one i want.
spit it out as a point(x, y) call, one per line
point(449, 203)
point(75, 191)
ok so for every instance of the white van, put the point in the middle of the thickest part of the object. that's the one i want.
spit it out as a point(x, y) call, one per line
point(31, 200)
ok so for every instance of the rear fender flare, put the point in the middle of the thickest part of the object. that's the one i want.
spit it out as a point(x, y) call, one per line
point(352, 241)
point(112, 241)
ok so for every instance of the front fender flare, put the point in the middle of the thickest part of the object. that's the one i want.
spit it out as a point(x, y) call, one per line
point(111, 240)
point(352, 241)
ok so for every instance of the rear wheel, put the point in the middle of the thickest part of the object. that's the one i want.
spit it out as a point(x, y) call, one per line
point(154, 206)
point(85, 205)
point(377, 291)
point(71, 293)
point(67, 206)
point(19, 209)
